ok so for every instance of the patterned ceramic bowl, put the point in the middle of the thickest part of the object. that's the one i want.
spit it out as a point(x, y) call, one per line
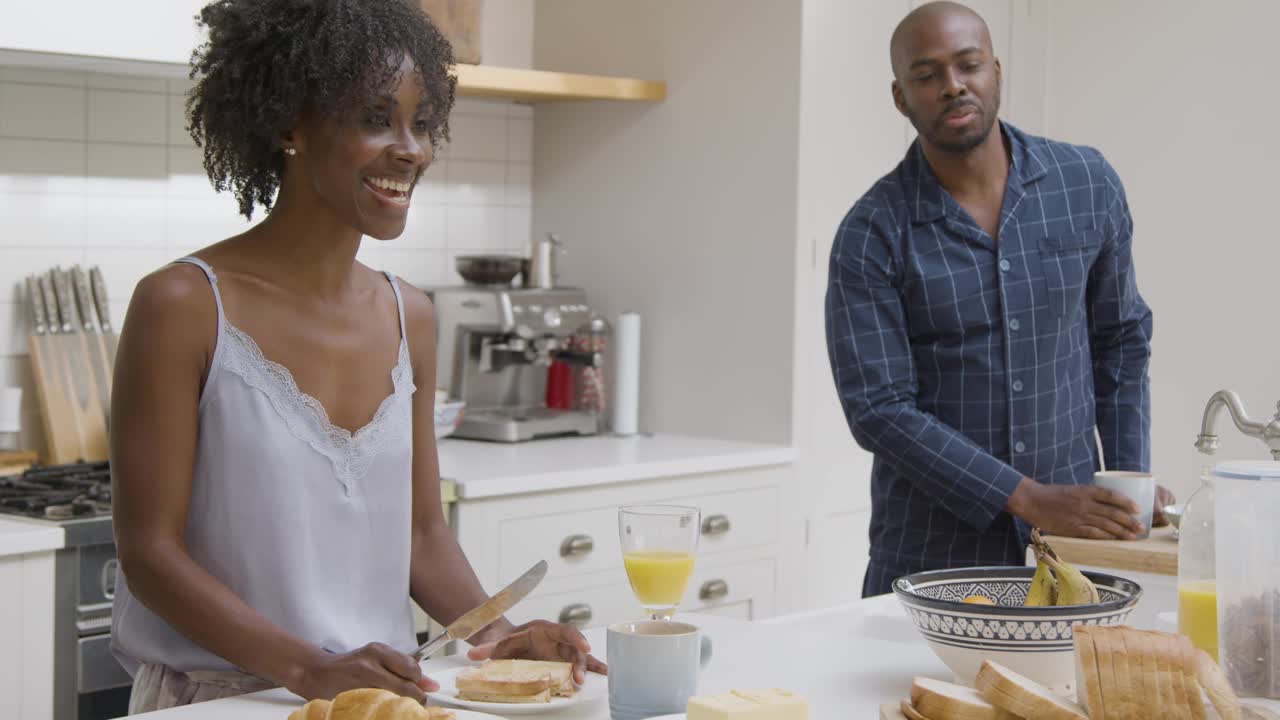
point(1034, 641)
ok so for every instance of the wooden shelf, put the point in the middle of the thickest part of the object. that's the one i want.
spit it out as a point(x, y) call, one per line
point(473, 80)
point(520, 84)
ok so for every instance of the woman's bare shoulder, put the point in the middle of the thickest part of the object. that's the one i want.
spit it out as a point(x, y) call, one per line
point(173, 306)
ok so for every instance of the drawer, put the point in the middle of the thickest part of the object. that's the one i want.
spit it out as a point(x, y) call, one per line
point(716, 586)
point(99, 669)
point(743, 589)
point(595, 606)
point(586, 541)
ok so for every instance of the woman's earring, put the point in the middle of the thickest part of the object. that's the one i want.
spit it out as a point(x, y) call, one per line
point(291, 151)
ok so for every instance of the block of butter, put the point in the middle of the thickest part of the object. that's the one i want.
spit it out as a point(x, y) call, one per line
point(769, 704)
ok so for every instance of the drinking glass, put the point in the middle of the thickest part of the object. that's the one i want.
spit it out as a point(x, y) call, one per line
point(658, 546)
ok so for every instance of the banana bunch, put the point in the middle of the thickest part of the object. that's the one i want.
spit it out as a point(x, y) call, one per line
point(1057, 583)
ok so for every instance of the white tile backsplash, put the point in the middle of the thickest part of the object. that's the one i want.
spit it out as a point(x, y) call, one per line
point(49, 112)
point(126, 82)
point(476, 183)
point(14, 325)
point(124, 221)
point(22, 261)
point(520, 140)
point(128, 117)
point(41, 166)
point(41, 76)
point(424, 229)
point(519, 184)
point(46, 220)
point(176, 121)
point(99, 169)
point(516, 233)
point(479, 137)
point(127, 170)
point(476, 227)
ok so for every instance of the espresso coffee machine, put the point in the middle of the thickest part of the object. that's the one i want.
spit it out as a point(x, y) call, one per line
point(494, 345)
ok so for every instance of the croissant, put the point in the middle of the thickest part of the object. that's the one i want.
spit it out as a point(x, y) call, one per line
point(368, 704)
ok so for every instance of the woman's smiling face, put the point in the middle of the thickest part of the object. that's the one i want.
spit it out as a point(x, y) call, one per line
point(365, 162)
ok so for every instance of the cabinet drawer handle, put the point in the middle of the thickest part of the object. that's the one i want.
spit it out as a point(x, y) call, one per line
point(715, 525)
point(107, 578)
point(576, 546)
point(713, 590)
point(577, 614)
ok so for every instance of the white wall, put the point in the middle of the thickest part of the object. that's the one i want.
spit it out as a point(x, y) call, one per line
point(98, 170)
point(683, 210)
point(1178, 96)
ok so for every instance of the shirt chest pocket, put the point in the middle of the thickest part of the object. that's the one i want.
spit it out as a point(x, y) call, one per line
point(1067, 260)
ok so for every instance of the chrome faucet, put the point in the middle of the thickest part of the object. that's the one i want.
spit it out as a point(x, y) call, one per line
point(1267, 432)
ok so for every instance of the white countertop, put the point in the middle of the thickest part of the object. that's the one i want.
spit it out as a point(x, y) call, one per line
point(18, 536)
point(485, 469)
point(847, 660)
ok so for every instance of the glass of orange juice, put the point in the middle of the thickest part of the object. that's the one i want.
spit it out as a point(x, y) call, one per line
point(658, 546)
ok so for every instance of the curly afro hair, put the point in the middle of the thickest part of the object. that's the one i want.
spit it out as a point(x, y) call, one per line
point(269, 62)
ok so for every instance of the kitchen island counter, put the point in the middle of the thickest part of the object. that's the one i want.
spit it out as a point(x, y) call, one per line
point(847, 660)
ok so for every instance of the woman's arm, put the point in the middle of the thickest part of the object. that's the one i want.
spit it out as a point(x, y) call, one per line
point(441, 579)
point(163, 357)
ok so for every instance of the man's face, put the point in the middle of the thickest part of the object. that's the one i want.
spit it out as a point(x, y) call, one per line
point(948, 80)
point(365, 164)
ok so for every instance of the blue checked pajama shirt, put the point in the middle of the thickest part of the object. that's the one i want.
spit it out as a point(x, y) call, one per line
point(964, 364)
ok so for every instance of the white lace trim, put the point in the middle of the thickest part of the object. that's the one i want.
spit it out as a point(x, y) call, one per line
point(307, 420)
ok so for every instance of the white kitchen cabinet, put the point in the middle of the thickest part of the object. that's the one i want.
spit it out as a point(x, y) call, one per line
point(26, 635)
point(736, 570)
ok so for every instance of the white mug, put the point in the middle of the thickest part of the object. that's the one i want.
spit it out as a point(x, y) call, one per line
point(653, 667)
point(1139, 487)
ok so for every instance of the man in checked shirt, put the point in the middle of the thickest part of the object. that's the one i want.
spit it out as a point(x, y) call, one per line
point(982, 318)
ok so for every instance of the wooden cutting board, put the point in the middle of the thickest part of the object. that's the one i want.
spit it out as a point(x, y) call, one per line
point(1156, 554)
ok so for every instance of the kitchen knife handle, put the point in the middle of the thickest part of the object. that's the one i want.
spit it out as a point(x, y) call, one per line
point(50, 304)
point(100, 298)
point(66, 303)
point(36, 301)
point(84, 300)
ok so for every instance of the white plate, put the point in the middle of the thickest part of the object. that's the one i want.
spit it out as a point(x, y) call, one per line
point(460, 714)
point(677, 716)
point(595, 688)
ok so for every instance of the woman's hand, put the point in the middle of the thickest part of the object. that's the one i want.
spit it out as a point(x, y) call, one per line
point(373, 666)
point(543, 640)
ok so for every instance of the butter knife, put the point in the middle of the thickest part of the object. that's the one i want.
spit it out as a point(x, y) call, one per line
point(486, 612)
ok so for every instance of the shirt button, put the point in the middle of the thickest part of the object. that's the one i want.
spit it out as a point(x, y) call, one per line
point(1020, 447)
point(1017, 386)
point(1014, 325)
point(1005, 266)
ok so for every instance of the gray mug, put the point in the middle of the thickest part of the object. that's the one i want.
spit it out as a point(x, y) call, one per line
point(653, 667)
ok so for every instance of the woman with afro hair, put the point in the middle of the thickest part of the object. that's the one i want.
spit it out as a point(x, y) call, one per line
point(276, 490)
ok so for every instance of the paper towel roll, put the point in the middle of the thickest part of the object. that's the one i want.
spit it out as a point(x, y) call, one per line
point(626, 387)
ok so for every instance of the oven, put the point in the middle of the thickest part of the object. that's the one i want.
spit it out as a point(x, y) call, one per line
point(88, 682)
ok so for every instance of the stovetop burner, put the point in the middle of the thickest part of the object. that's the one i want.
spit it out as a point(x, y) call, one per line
point(58, 492)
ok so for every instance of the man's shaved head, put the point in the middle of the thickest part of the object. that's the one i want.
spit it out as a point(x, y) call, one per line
point(946, 78)
point(924, 18)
